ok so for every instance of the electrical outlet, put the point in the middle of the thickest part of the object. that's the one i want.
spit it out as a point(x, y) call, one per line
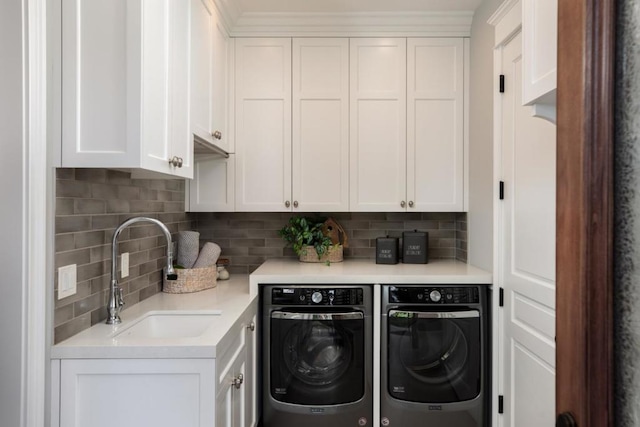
point(124, 265)
point(67, 278)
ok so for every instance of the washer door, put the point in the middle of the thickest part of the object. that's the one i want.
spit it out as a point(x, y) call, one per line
point(317, 358)
point(434, 357)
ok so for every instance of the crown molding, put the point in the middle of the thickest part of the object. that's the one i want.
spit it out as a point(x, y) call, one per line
point(378, 24)
point(229, 11)
point(502, 11)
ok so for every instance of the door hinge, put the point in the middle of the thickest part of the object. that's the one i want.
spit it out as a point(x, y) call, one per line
point(501, 297)
point(501, 83)
point(501, 404)
point(501, 190)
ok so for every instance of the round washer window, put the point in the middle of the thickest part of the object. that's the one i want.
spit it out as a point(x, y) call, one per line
point(434, 352)
point(317, 353)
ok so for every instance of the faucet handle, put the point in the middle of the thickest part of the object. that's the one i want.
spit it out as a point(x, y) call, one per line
point(120, 297)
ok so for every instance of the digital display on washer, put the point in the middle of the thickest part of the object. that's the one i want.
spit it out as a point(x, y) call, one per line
point(317, 296)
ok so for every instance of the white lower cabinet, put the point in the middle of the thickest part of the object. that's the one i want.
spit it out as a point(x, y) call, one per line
point(137, 392)
point(231, 400)
point(192, 392)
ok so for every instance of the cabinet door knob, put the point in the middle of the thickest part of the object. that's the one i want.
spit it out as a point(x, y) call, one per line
point(237, 381)
point(179, 162)
point(287, 204)
point(174, 161)
point(295, 203)
point(217, 134)
point(402, 204)
point(410, 203)
point(251, 326)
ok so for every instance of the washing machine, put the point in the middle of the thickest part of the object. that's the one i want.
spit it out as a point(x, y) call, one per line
point(317, 355)
point(435, 356)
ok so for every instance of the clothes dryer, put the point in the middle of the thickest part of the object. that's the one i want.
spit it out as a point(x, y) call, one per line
point(435, 360)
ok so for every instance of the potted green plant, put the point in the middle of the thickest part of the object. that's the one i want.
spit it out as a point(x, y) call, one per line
point(306, 235)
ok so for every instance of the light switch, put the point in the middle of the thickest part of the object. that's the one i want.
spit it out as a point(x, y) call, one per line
point(124, 265)
point(67, 277)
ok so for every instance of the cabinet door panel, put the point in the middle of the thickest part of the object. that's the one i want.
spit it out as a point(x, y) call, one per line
point(165, 89)
point(212, 189)
point(133, 393)
point(263, 124)
point(377, 124)
point(231, 400)
point(222, 87)
point(320, 125)
point(435, 124)
point(540, 47)
point(95, 66)
point(202, 27)
point(263, 156)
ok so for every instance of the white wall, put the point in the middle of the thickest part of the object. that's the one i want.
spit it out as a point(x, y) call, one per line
point(11, 212)
point(480, 217)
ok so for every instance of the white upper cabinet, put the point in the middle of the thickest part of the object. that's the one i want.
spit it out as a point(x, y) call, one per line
point(292, 125)
point(263, 124)
point(212, 189)
point(320, 125)
point(435, 124)
point(407, 124)
point(125, 85)
point(209, 75)
point(539, 56)
point(378, 124)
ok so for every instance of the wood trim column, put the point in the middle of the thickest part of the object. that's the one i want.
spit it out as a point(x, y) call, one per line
point(586, 57)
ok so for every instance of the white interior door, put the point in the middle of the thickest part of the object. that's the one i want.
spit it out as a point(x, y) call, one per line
point(526, 253)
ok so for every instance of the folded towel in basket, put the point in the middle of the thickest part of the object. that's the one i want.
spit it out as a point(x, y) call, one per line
point(208, 255)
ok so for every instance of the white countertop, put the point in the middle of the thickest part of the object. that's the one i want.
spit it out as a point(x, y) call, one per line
point(234, 296)
point(231, 297)
point(367, 271)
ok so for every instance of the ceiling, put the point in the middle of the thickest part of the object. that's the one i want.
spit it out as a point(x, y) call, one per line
point(355, 6)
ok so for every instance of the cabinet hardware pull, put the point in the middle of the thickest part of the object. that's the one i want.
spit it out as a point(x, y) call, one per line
point(179, 162)
point(174, 161)
point(410, 203)
point(287, 204)
point(237, 381)
point(295, 203)
point(251, 326)
point(402, 204)
point(217, 135)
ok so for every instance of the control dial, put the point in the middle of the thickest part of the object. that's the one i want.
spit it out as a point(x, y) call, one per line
point(435, 296)
point(316, 297)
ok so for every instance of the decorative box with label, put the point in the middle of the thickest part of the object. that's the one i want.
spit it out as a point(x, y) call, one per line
point(415, 247)
point(387, 250)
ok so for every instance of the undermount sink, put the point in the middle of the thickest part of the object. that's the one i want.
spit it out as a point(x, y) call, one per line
point(168, 324)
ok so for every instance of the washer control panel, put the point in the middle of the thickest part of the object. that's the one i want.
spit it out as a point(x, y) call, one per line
point(317, 296)
point(434, 294)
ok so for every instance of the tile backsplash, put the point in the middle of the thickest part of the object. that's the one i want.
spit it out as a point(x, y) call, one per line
point(91, 203)
point(248, 239)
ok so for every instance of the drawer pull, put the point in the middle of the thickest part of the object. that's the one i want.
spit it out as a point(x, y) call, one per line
point(251, 326)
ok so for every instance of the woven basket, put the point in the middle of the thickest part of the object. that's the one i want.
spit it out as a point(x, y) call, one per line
point(333, 254)
point(191, 280)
